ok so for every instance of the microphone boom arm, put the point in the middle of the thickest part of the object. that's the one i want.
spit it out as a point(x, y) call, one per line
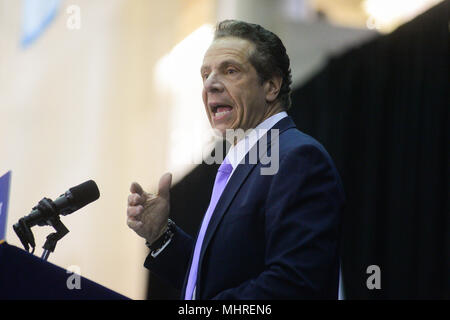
point(25, 234)
point(49, 217)
point(53, 238)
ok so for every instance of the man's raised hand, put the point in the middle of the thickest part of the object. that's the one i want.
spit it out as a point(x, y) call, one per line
point(147, 213)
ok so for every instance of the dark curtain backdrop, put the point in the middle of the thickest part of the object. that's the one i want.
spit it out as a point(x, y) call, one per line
point(382, 112)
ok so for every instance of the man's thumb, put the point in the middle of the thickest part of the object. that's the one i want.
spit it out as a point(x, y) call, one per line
point(164, 185)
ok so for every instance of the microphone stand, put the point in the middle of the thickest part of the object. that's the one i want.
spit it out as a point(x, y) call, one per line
point(53, 238)
point(49, 217)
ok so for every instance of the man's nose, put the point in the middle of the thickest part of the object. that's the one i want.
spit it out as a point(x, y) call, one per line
point(213, 83)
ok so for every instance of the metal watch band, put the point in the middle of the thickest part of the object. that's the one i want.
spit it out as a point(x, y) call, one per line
point(161, 243)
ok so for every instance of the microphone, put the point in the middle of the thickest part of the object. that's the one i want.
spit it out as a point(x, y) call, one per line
point(47, 211)
point(73, 199)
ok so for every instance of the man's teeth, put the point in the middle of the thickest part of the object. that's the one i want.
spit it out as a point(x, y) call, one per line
point(222, 110)
point(218, 114)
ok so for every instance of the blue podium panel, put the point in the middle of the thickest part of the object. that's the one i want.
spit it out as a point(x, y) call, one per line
point(25, 276)
point(4, 198)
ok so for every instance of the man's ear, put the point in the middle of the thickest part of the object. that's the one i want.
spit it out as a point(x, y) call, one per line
point(272, 88)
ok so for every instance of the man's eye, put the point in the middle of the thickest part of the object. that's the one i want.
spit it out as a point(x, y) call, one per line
point(231, 71)
point(205, 76)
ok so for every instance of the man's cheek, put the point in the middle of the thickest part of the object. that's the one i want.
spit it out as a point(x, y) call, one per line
point(237, 118)
point(204, 97)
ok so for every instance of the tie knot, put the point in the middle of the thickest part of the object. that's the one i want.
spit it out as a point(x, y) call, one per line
point(226, 167)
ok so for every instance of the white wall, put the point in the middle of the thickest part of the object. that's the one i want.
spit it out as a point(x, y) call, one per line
point(81, 105)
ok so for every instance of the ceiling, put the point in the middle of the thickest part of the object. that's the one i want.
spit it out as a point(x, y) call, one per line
point(383, 15)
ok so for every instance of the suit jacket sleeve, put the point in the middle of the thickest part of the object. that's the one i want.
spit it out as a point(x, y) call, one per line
point(171, 264)
point(302, 222)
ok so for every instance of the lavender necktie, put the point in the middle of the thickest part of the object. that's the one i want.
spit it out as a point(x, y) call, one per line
point(221, 180)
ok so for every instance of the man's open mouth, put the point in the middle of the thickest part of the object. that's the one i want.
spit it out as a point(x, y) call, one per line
point(220, 110)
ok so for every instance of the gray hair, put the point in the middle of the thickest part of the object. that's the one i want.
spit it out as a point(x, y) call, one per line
point(269, 57)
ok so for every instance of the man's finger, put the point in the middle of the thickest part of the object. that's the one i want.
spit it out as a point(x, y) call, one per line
point(136, 188)
point(134, 224)
point(134, 211)
point(135, 199)
point(164, 186)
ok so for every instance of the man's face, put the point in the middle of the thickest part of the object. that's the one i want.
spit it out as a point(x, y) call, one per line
point(232, 92)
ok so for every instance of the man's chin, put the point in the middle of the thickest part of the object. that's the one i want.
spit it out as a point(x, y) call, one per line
point(220, 131)
point(229, 133)
point(221, 126)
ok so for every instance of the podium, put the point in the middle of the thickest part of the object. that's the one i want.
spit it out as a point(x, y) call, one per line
point(25, 276)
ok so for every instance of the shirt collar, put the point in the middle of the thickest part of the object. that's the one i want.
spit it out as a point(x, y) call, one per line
point(237, 152)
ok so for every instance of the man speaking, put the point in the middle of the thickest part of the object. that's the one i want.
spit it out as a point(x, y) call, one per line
point(263, 236)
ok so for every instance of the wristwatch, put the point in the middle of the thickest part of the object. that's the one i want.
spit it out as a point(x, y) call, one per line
point(161, 243)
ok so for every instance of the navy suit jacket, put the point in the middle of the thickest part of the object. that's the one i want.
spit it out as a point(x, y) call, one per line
point(270, 236)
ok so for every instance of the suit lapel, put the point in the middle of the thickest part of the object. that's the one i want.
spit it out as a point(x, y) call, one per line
point(236, 181)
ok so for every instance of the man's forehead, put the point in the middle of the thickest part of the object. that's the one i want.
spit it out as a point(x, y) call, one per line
point(228, 47)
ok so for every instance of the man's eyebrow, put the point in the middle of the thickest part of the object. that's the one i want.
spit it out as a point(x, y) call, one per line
point(223, 64)
point(203, 68)
point(228, 62)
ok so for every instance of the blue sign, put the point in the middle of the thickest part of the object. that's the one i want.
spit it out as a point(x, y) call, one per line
point(4, 197)
point(37, 16)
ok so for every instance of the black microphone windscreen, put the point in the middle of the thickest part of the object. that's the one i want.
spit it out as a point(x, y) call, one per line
point(85, 193)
